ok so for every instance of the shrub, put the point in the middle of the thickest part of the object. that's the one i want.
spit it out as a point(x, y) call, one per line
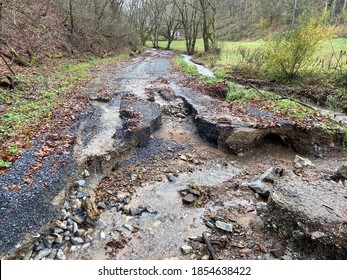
point(289, 53)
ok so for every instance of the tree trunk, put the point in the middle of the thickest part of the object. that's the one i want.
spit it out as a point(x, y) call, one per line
point(333, 10)
point(1, 19)
point(72, 23)
point(294, 11)
point(205, 34)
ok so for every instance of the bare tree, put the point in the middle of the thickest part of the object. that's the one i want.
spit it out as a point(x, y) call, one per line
point(157, 15)
point(190, 19)
point(139, 14)
point(71, 16)
point(209, 10)
point(295, 11)
point(1, 20)
point(172, 23)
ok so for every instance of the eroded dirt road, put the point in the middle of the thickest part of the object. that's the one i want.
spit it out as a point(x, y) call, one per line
point(151, 182)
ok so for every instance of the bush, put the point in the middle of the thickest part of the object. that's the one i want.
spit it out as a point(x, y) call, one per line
point(289, 53)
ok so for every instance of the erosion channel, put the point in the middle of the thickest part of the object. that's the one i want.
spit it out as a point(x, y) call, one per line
point(155, 165)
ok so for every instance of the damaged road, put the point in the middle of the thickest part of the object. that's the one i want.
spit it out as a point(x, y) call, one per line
point(160, 171)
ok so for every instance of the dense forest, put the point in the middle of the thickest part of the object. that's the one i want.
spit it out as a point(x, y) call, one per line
point(38, 28)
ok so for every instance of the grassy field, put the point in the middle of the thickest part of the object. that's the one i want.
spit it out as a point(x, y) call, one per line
point(230, 55)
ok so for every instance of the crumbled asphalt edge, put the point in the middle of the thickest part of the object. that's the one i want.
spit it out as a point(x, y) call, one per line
point(151, 119)
point(296, 225)
point(326, 248)
point(28, 211)
point(315, 141)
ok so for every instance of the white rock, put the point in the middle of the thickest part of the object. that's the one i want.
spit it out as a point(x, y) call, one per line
point(59, 239)
point(74, 249)
point(85, 173)
point(60, 224)
point(317, 235)
point(224, 226)
point(60, 255)
point(80, 183)
point(301, 162)
point(186, 249)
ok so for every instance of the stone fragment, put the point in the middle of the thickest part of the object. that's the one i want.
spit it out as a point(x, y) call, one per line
point(80, 183)
point(77, 219)
point(74, 227)
point(301, 162)
point(58, 230)
point(59, 239)
point(317, 235)
point(224, 226)
point(53, 254)
point(157, 224)
point(77, 240)
point(80, 232)
point(183, 157)
point(209, 224)
point(48, 241)
point(186, 249)
point(60, 224)
point(150, 209)
point(74, 249)
point(85, 173)
point(190, 198)
point(260, 188)
point(40, 246)
point(60, 255)
point(194, 192)
point(43, 253)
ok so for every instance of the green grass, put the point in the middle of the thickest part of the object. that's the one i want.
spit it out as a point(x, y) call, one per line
point(231, 57)
point(185, 66)
point(31, 103)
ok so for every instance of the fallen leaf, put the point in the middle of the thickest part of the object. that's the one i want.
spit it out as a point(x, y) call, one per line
point(13, 188)
point(246, 251)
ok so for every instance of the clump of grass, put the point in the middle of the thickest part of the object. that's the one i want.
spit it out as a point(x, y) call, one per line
point(237, 93)
point(185, 66)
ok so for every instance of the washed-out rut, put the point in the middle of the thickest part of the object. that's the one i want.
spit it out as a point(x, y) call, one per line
point(141, 153)
point(161, 231)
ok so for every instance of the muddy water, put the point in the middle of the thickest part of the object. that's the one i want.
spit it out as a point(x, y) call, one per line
point(163, 232)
